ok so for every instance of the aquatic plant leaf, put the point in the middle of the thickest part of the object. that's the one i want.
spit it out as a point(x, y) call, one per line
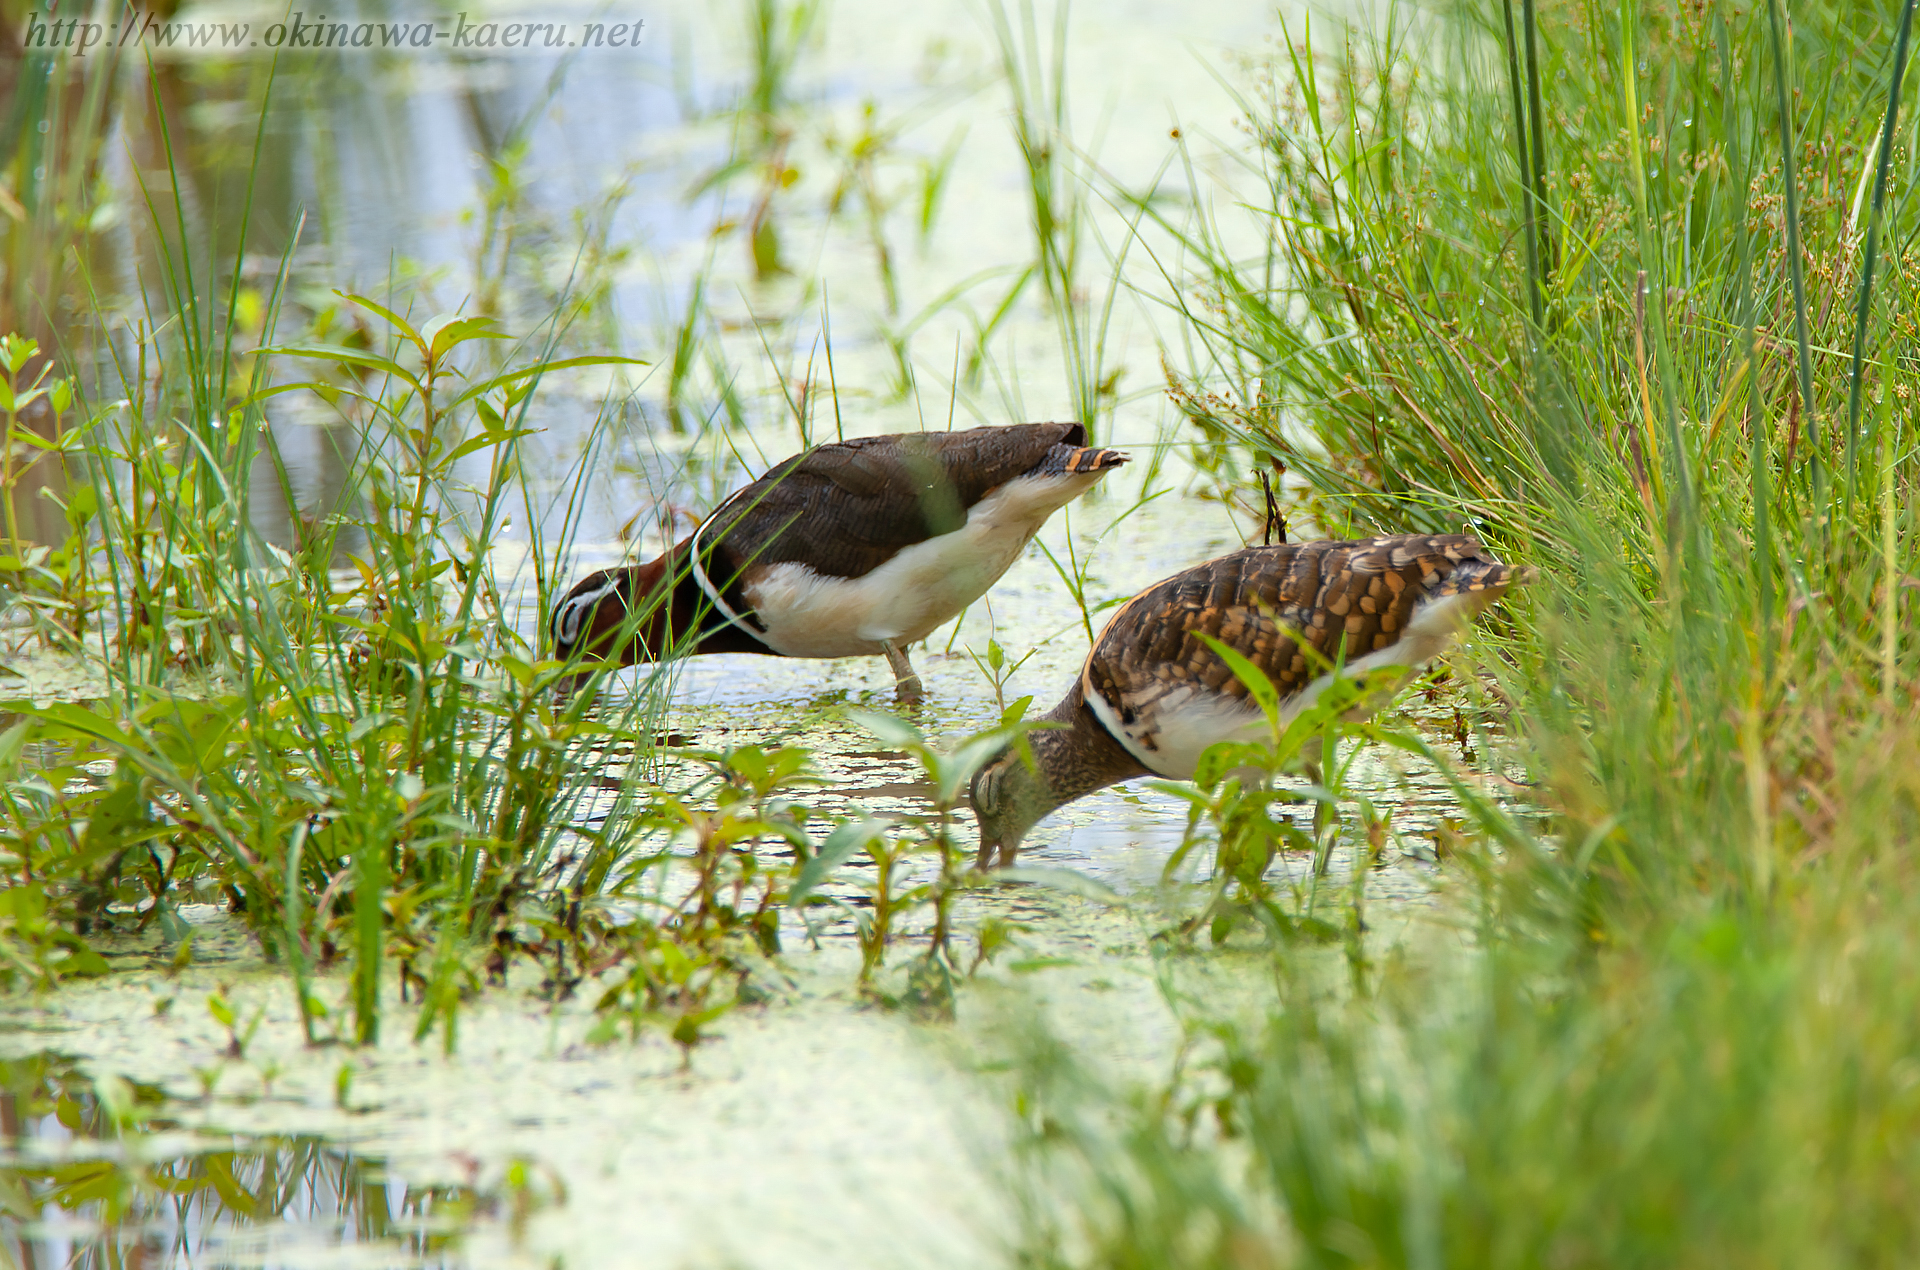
point(444, 333)
point(686, 1029)
point(522, 374)
point(85, 1182)
point(79, 961)
point(841, 846)
point(392, 319)
point(68, 720)
point(232, 1192)
point(473, 445)
point(888, 728)
point(339, 354)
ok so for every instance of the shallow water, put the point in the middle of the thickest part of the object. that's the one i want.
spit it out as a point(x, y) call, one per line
point(108, 1176)
point(813, 1131)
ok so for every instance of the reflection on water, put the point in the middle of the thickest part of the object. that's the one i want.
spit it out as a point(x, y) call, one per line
point(608, 192)
point(99, 1174)
point(435, 180)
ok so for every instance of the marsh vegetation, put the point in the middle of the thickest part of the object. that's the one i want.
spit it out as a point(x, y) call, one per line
point(1625, 289)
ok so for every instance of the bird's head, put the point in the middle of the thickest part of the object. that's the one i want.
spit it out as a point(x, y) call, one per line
point(620, 615)
point(1008, 799)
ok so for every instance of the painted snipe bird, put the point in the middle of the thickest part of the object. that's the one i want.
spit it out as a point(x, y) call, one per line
point(856, 548)
point(1153, 695)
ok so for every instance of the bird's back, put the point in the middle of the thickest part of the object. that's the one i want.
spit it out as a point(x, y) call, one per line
point(1165, 694)
point(845, 508)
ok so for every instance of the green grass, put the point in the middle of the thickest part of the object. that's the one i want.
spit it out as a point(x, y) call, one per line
point(1570, 275)
point(372, 770)
point(1058, 177)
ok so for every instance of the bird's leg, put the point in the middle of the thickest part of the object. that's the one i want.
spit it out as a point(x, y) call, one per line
point(906, 685)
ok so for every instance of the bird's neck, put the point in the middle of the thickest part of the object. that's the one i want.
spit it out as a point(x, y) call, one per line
point(682, 605)
point(1081, 756)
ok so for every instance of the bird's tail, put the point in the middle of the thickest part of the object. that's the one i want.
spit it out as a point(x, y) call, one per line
point(1075, 460)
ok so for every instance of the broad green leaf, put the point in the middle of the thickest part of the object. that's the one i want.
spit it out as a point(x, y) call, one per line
point(16, 351)
point(66, 717)
point(444, 333)
point(82, 505)
point(13, 743)
point(393, 319)
point(342, 356)
point(485, 440)
point(888, 729)
point(232, 1192)
point(841, 846)
point(1180, 790)
point(529, 372)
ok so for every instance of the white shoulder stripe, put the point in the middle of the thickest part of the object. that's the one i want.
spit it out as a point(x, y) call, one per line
point(705, 583)
point(1103, 710)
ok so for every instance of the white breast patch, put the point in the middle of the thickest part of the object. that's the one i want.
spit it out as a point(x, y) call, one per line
point(810, 614)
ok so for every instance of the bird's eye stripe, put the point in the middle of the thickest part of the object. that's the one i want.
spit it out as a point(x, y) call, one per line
point(573, 614)
point(568, 628)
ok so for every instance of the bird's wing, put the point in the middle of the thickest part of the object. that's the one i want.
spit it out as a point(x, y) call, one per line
point(1363, 593)
point(845, 508)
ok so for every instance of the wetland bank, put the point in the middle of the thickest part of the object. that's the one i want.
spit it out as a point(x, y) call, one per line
point(328, 938)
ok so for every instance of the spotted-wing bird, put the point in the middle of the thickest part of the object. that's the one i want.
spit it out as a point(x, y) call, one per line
point(857, 548)
point(1153, 694)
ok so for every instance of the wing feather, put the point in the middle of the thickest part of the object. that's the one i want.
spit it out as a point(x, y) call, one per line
point(846, 508)
point(1342, 599)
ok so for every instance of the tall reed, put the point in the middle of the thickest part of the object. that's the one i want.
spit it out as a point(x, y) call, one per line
point(1680, 1029)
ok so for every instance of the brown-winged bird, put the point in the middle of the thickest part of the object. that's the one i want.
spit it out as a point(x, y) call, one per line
point(856, 548)
point(1153, 695)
